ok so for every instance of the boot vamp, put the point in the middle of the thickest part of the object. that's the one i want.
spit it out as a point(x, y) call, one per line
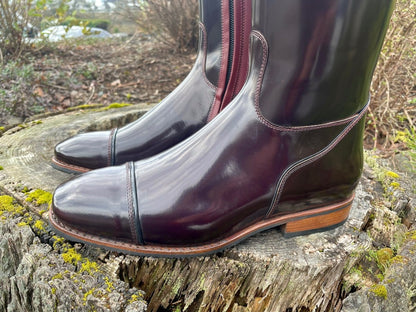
point(87, 150)
point(95, 203)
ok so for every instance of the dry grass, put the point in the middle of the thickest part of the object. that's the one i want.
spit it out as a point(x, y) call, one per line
point(393, 104)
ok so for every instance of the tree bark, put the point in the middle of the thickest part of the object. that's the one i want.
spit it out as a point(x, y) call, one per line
point(266, 272)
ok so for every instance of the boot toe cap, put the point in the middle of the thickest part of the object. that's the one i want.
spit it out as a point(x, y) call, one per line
point(87, 150)
point(94, 204)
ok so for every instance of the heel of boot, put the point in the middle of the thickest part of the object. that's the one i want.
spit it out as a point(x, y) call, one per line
point(318, 220)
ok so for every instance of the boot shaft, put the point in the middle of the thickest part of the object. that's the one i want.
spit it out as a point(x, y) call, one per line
point(322, 55)
point(212, 17)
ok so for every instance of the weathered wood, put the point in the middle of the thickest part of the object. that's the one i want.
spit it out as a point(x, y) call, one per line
point(264, 273)
point(26, 150)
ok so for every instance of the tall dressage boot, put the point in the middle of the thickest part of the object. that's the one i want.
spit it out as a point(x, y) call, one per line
point(287, 151)
point(218, 75)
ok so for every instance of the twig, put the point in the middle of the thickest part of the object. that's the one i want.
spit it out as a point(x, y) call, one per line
point(408, 118)
point(374, 125)
point(92, 93)
point(127, 43)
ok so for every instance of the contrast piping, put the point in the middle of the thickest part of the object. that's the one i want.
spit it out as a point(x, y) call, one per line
point(260, 116)
point(312, 158)
point(138, 224)
point(350, 122)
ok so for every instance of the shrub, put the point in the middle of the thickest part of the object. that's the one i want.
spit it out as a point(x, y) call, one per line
point(171, 21)
point(17, 95)
point(15, 17)
point(393, 103)
point(18, 20)
point(99, 23)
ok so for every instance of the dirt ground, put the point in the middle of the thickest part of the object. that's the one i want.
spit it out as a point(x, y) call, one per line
point(131, 70)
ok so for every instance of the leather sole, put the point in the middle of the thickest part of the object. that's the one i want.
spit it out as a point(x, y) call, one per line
point(68, 168)
point(300, 223)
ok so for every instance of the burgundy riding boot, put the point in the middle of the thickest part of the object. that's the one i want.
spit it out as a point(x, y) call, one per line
point(287, 151)
point(218, 75)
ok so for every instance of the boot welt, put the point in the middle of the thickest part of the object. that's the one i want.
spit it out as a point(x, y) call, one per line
point(300, 223)
point(68, 168)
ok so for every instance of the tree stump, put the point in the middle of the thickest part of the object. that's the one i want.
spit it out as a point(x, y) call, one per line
point(263, 273)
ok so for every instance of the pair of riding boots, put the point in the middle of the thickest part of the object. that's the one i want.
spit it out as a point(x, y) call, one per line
point(266, 131)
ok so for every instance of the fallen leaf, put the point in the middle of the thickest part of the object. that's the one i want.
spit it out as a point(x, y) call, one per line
point(38, 92)
point(116, 83)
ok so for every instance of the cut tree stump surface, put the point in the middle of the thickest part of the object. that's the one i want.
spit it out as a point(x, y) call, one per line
point(266, 272)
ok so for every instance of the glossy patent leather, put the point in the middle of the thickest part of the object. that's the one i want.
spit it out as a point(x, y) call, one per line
point(198, 99)
point(241, 169)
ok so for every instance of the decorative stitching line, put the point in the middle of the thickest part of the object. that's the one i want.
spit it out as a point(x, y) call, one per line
point(69, 166)
point(312, 158)
point(353, 120)
point(269, 124)
point(211, 247)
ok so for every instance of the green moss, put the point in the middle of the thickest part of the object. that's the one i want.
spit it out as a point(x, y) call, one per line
point(2, 129)
point(53, 290)
point(25, 190)
point(383, 256)
point(202, 281)
point(379, 290)
point(392, 174)
point(84, 106)
point(1, 168)
point(90, 292)
point(398, 259)
point(380, 277)
point(89, 266)
point(384, 176)
point(116, 105)
point(40, 225)
point(57, 276)
point(8, 204)
point(177, 286)
point(39, 197)
point(109, 284)
point(57, 241)
point(411, 235)
point(71, 256)
point(134, 298)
